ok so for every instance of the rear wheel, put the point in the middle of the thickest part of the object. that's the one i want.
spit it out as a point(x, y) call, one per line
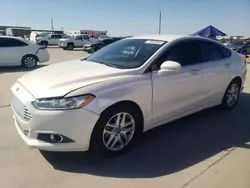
point(231, 95)
point(115, 130)
point(70, 46)
point(29, 61)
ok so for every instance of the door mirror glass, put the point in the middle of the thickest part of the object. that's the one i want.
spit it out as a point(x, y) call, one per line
point(170, 66)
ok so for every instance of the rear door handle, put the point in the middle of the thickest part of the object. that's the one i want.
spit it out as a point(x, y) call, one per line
point(227, 65)
point(195, 71)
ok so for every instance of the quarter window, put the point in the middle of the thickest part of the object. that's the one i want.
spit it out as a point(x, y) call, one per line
point(225, 52)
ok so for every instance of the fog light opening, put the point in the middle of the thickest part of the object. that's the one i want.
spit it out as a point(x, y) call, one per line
point(56, 138)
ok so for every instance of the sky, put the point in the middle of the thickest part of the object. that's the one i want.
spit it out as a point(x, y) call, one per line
point(130, 17)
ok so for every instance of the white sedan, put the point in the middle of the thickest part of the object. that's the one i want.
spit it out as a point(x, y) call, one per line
point(16, 51)
point(105, 101)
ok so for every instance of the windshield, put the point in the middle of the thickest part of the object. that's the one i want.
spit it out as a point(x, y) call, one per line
point(128, 53)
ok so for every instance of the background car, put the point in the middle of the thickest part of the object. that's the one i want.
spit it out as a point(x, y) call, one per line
point(17, 51)
point(77, 41)
point(242, 47)
point(91, 48)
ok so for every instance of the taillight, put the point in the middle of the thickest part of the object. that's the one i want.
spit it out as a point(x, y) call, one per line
point(42, 48)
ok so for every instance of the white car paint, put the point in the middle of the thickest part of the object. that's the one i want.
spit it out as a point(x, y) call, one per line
point(161, 97)
point(12, 55)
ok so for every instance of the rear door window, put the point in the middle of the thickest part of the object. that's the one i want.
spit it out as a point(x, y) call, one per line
point(213, 52)
point(11, 42)
point(78, 37)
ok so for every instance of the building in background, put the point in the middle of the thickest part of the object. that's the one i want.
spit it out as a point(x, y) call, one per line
point(71, 32)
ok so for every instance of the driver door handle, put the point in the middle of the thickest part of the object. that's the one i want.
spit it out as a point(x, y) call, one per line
point(227, 65)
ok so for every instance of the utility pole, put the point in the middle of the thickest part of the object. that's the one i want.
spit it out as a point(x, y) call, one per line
point(160, 23)
point(52, 24)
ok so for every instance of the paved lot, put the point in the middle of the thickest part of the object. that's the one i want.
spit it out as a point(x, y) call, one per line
point(209, 150)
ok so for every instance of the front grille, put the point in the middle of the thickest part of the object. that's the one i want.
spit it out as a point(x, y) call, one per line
point(21, 110)
point(26, 114)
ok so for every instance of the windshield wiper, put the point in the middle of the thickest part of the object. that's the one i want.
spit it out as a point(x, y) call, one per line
point(107, 64)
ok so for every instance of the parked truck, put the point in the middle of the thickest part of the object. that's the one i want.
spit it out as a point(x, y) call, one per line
point(77, 41)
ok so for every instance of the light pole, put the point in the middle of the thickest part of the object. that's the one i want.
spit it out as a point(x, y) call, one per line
point(160, 23)
point(52, 24)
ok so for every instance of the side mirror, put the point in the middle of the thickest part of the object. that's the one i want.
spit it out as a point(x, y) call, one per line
point(169, 66)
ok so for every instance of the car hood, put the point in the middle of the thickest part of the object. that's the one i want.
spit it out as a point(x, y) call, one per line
point(61, 78)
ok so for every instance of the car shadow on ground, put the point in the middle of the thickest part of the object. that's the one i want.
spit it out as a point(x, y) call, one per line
point(169, 148)
point(19, 69)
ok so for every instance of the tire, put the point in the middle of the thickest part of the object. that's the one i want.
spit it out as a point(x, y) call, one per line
point(44, 43)
point(244, 53)
point(29, 61)
point(107, 137)
point(70, 46)
point(231, 95)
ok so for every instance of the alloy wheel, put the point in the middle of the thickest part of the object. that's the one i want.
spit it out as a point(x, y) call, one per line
point(30, 62)
point(232, 94)
point(119, 131)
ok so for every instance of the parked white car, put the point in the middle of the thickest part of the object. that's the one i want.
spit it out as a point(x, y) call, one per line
point(18, 51)
point(106, 100)
point(77, 41)
point(49, 40)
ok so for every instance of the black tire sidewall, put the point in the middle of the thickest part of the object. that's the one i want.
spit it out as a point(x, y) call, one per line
point(70, 45)
point(97, 134)
point(224, 100)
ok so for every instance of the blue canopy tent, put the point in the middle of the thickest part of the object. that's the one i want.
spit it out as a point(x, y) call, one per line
point(210, 31)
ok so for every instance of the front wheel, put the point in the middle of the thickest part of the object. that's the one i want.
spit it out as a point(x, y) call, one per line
point(231, 95)
point(115, 130)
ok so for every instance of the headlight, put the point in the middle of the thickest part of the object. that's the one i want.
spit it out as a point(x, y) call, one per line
point(63, 103)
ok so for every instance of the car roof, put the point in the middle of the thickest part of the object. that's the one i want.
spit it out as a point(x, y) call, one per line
point(167, 38)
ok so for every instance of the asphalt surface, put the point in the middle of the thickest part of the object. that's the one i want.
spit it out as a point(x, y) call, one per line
point(209, 149)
